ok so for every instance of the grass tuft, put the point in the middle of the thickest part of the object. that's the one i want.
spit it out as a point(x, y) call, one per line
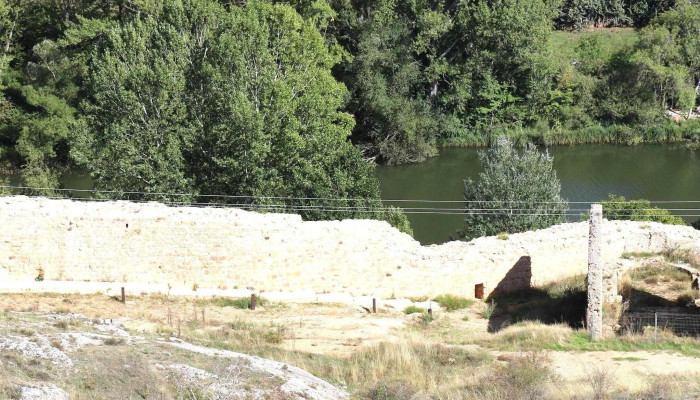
point(452, 302)
point(489, 310)
point(413, 309)
point(241, 302)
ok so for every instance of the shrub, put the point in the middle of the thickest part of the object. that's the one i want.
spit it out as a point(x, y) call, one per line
point(489, 310)
point(241, 302)
point(391, 391)
point(27, 332)
point(682, 255)
point(426, 318)
point(276, 334)
point(601, 382)
point(452, 302)
point(516, 192)
point(619, 208)
point(522, 378)
point(413, 309)
point(503, 236)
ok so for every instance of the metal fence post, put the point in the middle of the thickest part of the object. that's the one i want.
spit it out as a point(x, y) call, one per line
point(656, 324)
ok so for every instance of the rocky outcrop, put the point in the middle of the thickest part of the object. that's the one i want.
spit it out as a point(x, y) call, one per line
point(297, 383)
point(236, 376)
point(43, 392)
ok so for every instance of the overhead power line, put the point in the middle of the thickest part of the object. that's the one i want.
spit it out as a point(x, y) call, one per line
point(338, 199)
point(375, 209)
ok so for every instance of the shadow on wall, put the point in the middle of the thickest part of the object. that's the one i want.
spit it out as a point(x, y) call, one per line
point(516, 300)
point(519, 277)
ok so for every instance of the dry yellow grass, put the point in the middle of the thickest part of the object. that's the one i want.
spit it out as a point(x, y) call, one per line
point(391, 354)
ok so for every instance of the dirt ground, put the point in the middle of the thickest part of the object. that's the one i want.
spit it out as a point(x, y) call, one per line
point(629, 369)
point(336, 330)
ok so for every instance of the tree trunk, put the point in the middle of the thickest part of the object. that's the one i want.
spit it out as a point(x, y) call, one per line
point(697, 87)
point(8, 41)
point(433, 89)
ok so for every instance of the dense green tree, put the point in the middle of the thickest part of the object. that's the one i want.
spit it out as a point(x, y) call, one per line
point(578, 14)
point(683, 24)
point(516, 192)
point(49, 44)
point(427, 71)
point(660, 65)
point(619, 208)
point(202, 100)
point(395, 120)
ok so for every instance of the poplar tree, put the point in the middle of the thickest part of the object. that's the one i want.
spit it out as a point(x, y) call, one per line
point(517, 191)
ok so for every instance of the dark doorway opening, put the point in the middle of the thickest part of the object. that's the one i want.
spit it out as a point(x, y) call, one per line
point(479, 291)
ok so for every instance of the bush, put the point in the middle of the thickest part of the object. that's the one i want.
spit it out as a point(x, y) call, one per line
point(241, 302)
point(413, 309)
point(489, 310)
point(522, 378)
point(619, 208)
point(451, 302)
point(601, 382)
point(398, 219)
point(390, 391)
point(516, 192)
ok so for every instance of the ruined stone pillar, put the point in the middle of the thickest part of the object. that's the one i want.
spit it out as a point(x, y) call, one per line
point(594, 313)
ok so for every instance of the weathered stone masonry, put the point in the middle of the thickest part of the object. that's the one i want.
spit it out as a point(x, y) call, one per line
point(214, 247)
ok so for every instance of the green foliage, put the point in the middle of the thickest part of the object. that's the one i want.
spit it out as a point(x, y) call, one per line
point(490, 309)
point(425, 71)
point(515, 193)
point(426, 318)
point(452, 302)
point(619, 208)
point(397, 218)
point(242, 102)
point(413, 309)
point(242, 303)
point(579, 14)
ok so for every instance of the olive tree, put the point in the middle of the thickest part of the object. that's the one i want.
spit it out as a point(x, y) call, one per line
point(517, 191)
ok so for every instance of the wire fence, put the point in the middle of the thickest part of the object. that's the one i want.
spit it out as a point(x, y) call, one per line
point(647, 322)
point(321, 205)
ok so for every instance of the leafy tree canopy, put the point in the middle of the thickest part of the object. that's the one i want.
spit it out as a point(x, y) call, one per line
point(205, 100)
point(619, 208)
point(516, 192)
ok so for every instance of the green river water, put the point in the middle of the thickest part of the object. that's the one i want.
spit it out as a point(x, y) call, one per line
point(587, 172)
